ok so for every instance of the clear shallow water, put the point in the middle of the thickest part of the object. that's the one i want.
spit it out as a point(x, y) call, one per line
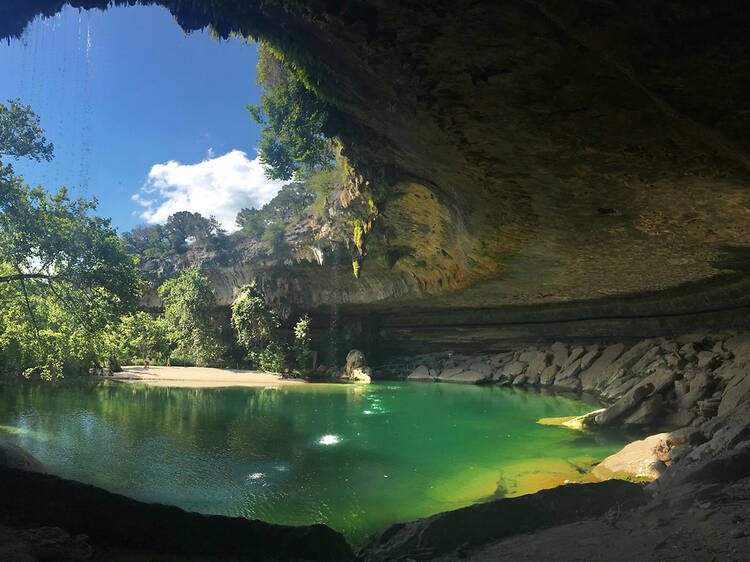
point(357, 458)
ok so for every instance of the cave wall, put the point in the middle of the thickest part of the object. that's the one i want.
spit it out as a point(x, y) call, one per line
point(527, 154)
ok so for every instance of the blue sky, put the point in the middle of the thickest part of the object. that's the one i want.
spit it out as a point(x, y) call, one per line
point(148, 120)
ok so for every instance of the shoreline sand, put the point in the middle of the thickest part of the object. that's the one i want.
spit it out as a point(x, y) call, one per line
point(198, 377)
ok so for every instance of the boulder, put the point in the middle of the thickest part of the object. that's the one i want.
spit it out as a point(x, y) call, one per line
point(646, 412)
point(739, 346)
point(519, 380)
point(537, 364)
point(688, 352)
point(527, 355)
point(514, 369)
point(463, 377)
point(12, 456)
point(559, 353)
point(501, 359)
point(641, 459)
point(639, 368)
point(593, 376)
point(481, 367)
point(421, 374)
point(708, 360)
point(355, 358)
point(450, 373)
point(361, 374)
point(736, 392)
point(548, 375)
point(575, 354)
point(588, 358)
point(645, 388)
point(701, 386)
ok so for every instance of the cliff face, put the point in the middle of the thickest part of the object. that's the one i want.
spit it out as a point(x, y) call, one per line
point(527, 153)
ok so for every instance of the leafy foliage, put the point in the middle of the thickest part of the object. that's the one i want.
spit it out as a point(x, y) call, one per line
point(293, 139)
point(63, 272)
point(252, 319)
point(189, 305)
point(143, 335)
point(301, 346)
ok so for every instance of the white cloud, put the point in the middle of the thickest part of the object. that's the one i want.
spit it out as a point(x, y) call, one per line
point(218, 186)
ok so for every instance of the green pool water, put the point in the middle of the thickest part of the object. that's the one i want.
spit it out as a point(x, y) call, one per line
point(357, 458)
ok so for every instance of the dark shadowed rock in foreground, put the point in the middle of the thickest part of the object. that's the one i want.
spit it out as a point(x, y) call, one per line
point(454, 531)
point(15, 457)
point(112, 521)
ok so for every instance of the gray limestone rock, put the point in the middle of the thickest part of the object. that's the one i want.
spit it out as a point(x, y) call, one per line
point(450, 372)
point(421, 374)
point(463, 377)
point(573, 356)
point(708, 360)
point(646, 412)
point(595, 374)
point(588, 358)
point(481, 367)
point(519, 380)
point(560, 353)
point(514, 369)
point(547, 377)
point(537, 364)
point(736, 392)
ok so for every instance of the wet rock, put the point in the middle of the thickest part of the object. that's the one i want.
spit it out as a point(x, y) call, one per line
point(594, 375)
point(639, 459)
point(12, 456)
point(421, 374)
point(519, 380)
point(588, 359)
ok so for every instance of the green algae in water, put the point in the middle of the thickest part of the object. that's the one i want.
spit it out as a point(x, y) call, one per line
point(357, 458)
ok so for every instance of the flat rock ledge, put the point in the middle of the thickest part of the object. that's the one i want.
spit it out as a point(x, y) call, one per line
point(449, 533)
point(113, 522)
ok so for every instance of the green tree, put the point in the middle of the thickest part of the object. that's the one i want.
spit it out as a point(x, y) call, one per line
point(189, 306)
point(63, 271)
point(301, 347)
point(293, 138)
point(253, 319)
point(143, 335)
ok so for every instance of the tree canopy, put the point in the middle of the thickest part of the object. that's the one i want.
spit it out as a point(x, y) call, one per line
point(189, 308)
point(294, 118)
point(63, 271)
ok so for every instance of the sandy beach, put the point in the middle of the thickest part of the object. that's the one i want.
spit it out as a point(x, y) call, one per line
point(195, 377)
